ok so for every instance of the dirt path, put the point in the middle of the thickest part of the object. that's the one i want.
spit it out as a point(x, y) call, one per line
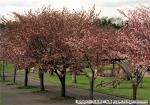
point(10, 95)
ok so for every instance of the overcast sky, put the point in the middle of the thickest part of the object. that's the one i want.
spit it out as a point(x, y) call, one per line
point(107, 7)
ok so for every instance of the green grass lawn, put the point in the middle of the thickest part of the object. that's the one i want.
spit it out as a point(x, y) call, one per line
point(7, 67)
point(123, 90)
point(1, 103)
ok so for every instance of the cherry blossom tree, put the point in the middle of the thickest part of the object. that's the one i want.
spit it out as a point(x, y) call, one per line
point(134, 44)
point(90, 48)
point(39, 38)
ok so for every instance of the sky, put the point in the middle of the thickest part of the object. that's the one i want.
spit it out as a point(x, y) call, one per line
point(105, 7)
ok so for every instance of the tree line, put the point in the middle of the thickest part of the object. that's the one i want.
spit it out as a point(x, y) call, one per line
point(58, 40)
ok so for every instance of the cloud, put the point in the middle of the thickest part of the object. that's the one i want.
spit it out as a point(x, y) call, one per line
point(8, 6)
point(107, 7)
point(120, 3)
point(23, 3)
point(18, 2)
point(72, 4)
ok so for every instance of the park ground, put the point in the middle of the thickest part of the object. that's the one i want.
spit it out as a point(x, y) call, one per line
point(15, 94)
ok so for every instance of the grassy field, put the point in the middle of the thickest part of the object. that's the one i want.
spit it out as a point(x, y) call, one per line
point(123, 90)
point(7, 67)
point(1, 103)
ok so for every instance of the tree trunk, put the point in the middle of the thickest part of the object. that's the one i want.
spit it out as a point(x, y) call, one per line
point(134, 87)
point(41, 76)
point(51, 72)
point(92, 86)
point(74, 79)
point(0, 70)
point(15, 71)
point(3, 71)
point(63, 86)
point(26, 77)
point(62, 78)
point(113, 70)
point(141, 84)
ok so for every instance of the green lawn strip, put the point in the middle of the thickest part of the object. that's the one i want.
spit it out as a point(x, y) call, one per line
point(25, 87)
point(1, 103)
point(4, 81)
point(37, 90)
point(10, 82)
point(61, 98)
point(19, 85)
point(34, 89)
point(123, 90)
